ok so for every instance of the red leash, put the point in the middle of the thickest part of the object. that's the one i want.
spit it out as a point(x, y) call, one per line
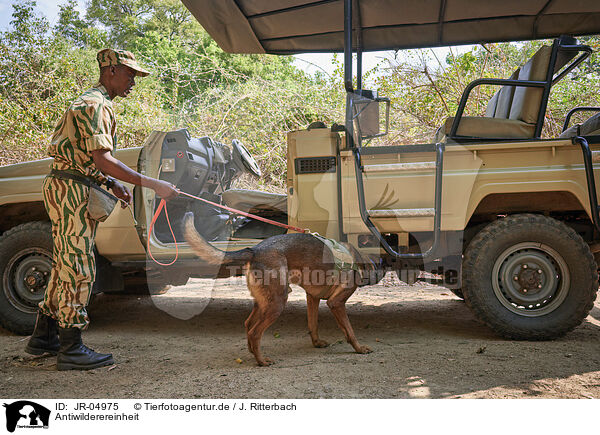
point(163, 204)
point(251, 216)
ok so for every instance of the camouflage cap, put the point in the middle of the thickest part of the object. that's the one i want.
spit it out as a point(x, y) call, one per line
point(108, 57)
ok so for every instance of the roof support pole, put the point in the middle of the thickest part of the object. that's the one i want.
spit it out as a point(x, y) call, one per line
point(348, 71)
point(359, 46)
point(348, 45)
point(359, 69)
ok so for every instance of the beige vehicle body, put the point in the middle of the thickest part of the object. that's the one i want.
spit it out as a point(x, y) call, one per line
point(550, 177)
point(21, 201)
point(479, 180)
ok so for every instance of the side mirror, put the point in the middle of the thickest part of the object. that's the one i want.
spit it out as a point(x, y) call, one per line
point(366, 114)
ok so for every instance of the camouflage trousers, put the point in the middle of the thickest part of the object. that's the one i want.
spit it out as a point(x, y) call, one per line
point(73, 263)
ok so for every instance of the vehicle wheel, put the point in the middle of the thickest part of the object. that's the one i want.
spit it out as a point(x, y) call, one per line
point(25, 265)
point(529, 277)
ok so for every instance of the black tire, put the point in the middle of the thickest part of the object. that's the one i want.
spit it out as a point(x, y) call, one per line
point(25, 265)
point(529, 277)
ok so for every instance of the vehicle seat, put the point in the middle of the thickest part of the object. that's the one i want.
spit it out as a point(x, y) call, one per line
point(513, 110)
point(255, 201)
point(496, 122)
point(590, 127)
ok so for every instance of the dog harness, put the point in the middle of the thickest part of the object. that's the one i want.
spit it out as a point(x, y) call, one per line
point(342, 257)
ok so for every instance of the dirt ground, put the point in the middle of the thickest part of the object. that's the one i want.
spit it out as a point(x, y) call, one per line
point(426, 344)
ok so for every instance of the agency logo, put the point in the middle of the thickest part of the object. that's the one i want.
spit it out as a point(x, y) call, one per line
point(27, 415)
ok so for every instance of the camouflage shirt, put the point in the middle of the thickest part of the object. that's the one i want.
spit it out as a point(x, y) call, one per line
point(88, 124)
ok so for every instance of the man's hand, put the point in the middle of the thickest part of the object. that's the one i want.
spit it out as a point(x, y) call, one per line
point(164, 190)
point(122, 192)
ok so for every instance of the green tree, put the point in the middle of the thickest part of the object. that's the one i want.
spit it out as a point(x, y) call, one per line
point(193, 84)
point(184, 57)
point(79, 31)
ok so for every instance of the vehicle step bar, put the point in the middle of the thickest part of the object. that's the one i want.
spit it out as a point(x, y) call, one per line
point(403, 213)
point(418, 166)
point(436, 211)
point(589, 157)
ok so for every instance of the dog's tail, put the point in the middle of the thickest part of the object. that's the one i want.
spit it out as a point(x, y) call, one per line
point(209, 253)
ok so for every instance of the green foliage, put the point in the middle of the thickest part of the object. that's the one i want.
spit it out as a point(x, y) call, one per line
point(77, 30)
point(426, 90)
point(188, 61)
point(260, 112)
point(37, 75)
point(193, 84)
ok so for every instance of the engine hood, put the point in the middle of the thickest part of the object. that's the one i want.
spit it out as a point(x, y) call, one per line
point(35, 168)
point(26, 169)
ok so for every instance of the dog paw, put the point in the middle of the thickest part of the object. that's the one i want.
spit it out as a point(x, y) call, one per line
point(320, 343)
point(264, 362)
point(364, 349)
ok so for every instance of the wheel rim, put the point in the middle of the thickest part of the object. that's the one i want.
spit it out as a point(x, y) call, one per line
point(530, 279)
point(26, 278)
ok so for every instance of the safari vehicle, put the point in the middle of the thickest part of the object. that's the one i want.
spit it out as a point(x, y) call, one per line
point(504, 218)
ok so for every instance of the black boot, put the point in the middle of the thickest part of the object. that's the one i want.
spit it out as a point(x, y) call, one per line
point(45, 336)
point(74, 355)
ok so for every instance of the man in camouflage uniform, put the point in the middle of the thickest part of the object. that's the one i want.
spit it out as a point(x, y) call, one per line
point(82, 145)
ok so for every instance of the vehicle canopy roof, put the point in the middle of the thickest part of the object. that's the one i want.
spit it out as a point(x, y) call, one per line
point(295, 26)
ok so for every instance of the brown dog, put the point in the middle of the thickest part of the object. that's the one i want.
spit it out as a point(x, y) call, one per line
point(276, 262)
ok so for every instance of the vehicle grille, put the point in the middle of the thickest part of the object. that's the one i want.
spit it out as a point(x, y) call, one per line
point(315, 165)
